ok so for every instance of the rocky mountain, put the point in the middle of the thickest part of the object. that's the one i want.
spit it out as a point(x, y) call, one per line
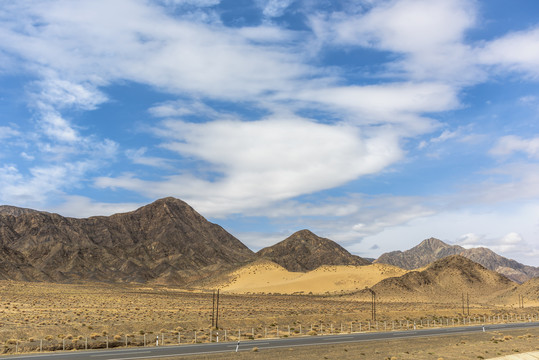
point(445, 280)
point(166, 241)
point(433, 249)
point(305, 251)
point(15, 266)
point(426, 252)
point(510, 268)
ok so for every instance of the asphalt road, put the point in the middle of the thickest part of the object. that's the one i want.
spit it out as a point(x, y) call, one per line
point(209, 348)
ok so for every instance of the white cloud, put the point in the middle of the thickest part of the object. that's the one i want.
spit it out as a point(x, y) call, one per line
point(181, 108)
point(152, 48)
point(197, 3)
point(57, 128)
point(81, 207)
point(507, 145)
point(429, 34)
point(36, 187)
point(274, 8)
point(139, 157)
point(518, 51)
point(7, 132)
point(264, 161)
point(396, 103)
point(62, 93)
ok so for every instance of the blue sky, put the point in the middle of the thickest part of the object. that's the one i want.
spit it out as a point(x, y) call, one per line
point(374, 123)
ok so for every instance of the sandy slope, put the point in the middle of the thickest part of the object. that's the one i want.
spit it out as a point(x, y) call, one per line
point(267, 277)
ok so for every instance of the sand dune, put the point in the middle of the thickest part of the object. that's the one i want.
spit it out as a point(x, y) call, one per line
point(268, 277)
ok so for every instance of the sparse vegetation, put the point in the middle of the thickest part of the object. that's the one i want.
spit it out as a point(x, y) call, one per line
point(70, 315)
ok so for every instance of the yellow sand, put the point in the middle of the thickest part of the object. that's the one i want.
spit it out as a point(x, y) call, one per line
point(268, 277)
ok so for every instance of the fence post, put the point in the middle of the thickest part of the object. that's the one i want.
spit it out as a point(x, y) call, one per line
point(107, 341)
point(144, 339)
point(41, 345)
point(126, 340)
point(179, 338)
point(86, 343)
point(63, 344)
point(265, 332)
point(195, 336)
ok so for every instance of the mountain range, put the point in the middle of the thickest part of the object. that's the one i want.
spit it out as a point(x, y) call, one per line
point(168, 242)
point(432, 249)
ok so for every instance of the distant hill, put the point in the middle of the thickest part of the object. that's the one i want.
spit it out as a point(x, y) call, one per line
point(433, 249)
point(164, 242)
point(426, 252)
point(305, 251)
point(510, 268)
point(445, 280)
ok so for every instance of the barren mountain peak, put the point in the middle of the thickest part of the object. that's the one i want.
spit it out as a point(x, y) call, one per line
point(304, 251)
point(165, 241)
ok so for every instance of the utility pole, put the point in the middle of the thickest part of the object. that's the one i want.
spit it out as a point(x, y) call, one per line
point(213, 311)
point(217, 312)
point(373, 307)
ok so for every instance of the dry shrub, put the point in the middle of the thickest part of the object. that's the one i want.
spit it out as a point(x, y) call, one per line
point(312, 333)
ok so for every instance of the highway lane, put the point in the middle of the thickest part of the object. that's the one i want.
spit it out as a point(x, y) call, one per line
point(209, 348)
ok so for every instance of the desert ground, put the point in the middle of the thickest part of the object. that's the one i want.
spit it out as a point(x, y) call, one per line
point(67, 315)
